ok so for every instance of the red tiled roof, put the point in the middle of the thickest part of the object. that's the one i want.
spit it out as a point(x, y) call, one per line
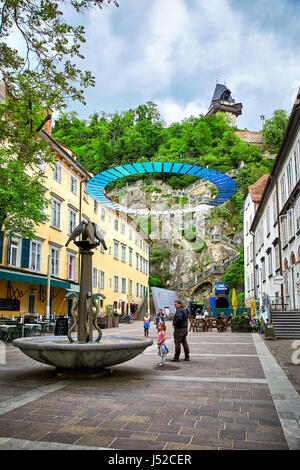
point(256, 190)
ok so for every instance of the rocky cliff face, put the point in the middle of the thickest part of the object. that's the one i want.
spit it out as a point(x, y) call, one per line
point(183, 246)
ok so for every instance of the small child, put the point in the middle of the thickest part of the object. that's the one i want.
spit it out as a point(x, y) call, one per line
point(162, 348)
point(146, 325)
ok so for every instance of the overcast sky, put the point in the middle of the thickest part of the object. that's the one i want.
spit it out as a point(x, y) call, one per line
point(173, 52)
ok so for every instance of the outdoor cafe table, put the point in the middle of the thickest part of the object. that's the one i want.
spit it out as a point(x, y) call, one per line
point(9, 329)
point(31, 327)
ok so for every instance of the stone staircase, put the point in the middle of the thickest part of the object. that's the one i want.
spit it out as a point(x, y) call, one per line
point(286, 324)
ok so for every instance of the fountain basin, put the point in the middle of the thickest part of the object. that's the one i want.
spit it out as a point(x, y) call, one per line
point(58, 352)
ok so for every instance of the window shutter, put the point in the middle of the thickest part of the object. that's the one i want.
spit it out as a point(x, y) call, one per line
point(25, 253)
point(1, 245)
point(8, 251)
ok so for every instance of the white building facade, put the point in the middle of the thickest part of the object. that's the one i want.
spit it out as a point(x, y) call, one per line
point(251, 201)
point(275, 228)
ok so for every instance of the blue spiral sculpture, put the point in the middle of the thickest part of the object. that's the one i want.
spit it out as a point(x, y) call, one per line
point(96, 186)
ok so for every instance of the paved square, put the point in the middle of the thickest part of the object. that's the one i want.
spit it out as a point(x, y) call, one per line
point(231, 395)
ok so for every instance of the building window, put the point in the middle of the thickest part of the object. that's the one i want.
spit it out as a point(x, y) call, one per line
point(116, 224)
point(116, 250)
point(130, 234)
point(123, 253)
point(282, 191)
point(54, 257)
point(284, 234)
point(94, 277)
point(41, 162)
point(290, 223)
point(130, 256)
point(73, 185)
point(31, 303)
point(116, 284)
point(71, 266)
point(123, 285)
point(35, 256)
point(274, 203)
point(257, 276)
point(57, 172)
point(101, 280)
point(268, 220)
point(263, 269)
point(130, 288)
point(141, 263)
point(137, 289)
point(141, 290)
point(96, 207)
point(55, 213)
point(137, 261)
point(13, 252)
point(290, 175)
point(297, 161)
point(276, 257)
point(72, 220)
point(123, 229)
point(85, 195)
point(287, 292)
point(102, 215)
point(297, 215)
point(270, 263)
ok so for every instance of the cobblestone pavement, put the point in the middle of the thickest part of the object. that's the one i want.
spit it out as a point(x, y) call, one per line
point(282, 350)
point(231, 395)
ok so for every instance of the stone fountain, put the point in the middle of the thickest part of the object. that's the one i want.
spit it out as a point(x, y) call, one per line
point(83, 354)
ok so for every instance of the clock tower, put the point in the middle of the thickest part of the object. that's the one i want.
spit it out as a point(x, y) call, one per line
point(223, 101)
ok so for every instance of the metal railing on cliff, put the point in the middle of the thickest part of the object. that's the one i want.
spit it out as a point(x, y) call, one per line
point(213, 270)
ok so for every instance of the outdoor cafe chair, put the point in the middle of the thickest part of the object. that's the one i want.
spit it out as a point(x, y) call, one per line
point(221, 325)
point(209, 324)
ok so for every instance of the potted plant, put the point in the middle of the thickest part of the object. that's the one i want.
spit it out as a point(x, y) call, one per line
point(101, 321)
point(115, 319)
point(30, 318)
point(108, 318)
point(240, 323)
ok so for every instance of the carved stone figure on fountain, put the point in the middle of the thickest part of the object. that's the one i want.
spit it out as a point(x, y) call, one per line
point(90, 233)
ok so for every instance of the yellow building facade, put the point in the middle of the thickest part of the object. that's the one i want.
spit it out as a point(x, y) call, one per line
point(121, 272)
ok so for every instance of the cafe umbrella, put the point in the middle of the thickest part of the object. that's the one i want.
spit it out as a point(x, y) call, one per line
point(234, 300)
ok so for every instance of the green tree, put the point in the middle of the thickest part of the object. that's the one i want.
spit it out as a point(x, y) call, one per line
point(234, 276)
point(154, 281)
point(274, 129)
point(41, 79)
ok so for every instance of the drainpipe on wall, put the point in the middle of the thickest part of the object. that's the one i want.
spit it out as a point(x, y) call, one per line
point(48, 289)
point(80, 214)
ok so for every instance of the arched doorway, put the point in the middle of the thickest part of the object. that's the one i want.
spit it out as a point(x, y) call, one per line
point(203, 291)
point(222, 302)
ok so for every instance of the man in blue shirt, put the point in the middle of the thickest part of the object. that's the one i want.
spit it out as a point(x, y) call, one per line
point(180, 325)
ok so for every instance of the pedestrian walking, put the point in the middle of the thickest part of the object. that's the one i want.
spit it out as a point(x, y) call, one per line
point(180, 325)
point(161, 346)
point(146, 325)
point(159, 318)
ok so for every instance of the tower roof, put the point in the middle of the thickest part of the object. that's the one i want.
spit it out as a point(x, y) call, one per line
point(222, 93)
